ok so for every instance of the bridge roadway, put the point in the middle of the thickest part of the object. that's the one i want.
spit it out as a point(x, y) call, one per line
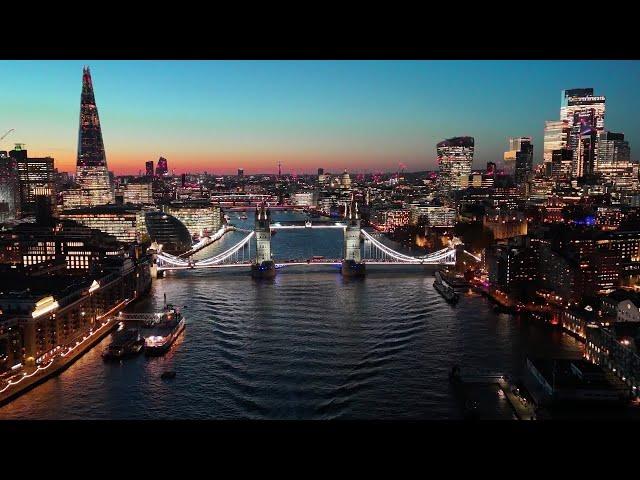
point(278, 226)
point(301, 262)
point(384, 255)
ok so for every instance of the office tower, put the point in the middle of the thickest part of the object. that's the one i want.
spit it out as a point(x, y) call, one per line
point(584, 156)
point(491, 168)
point(162, 169)
point(455, 156)
point(149, 168)
point(36, 177)
point(613, 162)
point(561, 165)
point(584, 113)
point(518, 160)
point(524, 160)
point(9, 191)
point(240, 173)
point(200, 217)
point(138, 193)
point(168, 231)
point(18, 152)
point(126, 223)
point(612, 149)
point(556, 136)
point(92, 174)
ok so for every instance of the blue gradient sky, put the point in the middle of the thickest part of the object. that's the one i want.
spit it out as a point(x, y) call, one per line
point(361, 115)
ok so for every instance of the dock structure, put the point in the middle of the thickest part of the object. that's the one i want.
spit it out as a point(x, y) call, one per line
point(145, 318)
point(523, 410)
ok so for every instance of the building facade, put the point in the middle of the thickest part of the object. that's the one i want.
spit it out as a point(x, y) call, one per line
point(9, 189)
point(455, 157)
point(519, 158)
point(556, 136)
point(124, 223)
point(36, 177)
point(92, 174)
point(200, 217)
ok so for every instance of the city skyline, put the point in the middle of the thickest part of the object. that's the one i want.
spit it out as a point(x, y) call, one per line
point(218, 116)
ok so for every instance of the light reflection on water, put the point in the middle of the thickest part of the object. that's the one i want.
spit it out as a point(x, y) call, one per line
point(308, 344)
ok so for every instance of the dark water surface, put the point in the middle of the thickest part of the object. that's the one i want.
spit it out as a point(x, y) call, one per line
point(307, 345)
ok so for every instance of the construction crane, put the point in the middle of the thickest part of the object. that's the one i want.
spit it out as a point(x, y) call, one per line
point(6, 133)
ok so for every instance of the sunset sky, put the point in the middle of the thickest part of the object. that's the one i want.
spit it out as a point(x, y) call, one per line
point(364, 116)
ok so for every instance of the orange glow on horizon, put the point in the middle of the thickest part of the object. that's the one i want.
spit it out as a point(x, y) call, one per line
point(227, 163)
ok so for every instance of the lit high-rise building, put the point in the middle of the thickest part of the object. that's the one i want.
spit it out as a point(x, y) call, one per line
point(162, 169)
point(584, 156)
point(518, 160)
point(613, 162)
point(92, 174)
point(36, 177)
point(556, 136)
point(612, 149)
point(149, 168)
point(455, 156)
point(561, 165)
point(584, 113)
point(9, 189)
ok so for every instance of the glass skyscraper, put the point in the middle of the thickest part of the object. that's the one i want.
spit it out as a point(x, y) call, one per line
point(612, 149)
point(518, 160)
point(162, 168)
point(556, 136)
point(524, 158)
point(91, 171)
point(613, 162)
point(455, 156)
point(584, 112)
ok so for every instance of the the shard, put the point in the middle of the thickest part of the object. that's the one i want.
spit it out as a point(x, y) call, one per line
point(91, 172)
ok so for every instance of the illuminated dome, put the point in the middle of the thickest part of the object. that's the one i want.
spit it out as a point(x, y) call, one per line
point(345, 180)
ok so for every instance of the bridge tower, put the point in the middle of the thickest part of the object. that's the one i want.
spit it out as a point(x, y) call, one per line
point(264, 267)
point(153, 251)
point(352, 265)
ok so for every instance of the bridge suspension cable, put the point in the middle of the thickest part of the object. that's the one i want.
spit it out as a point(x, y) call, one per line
point(440, 255)
point(226, 254)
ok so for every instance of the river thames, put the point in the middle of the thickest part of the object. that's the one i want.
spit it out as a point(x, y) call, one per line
point(307, 345)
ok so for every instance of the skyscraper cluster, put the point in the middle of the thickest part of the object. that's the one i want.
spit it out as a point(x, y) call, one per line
point(578, 146)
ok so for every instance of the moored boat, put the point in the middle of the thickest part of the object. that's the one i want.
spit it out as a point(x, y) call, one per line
point(125, 344)
point(165, 332)
point(444, 289)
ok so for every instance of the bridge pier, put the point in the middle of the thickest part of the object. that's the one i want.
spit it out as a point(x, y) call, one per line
point(263, 270)
point(351, 268)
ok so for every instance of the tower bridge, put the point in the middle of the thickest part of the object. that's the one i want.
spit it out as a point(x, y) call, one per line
point(355, 257)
